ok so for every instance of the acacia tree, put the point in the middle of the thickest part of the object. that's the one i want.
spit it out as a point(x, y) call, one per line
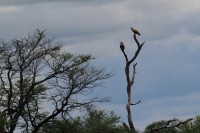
point(39, 82)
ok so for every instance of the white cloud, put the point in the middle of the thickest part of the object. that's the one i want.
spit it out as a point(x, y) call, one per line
point(9, 9)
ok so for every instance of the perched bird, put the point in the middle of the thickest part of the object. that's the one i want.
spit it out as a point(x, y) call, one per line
point(122, 46)
point(135, 31)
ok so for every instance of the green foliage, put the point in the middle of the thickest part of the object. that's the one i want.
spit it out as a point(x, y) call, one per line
point(100, 122)
point(63, 126)
point(191, 127)
point(97, 121)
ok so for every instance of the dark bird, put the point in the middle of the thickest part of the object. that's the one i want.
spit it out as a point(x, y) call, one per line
point(122, 46)
point(135, 31)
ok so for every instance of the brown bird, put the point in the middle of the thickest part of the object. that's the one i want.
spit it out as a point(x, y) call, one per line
point(122, 46)
point(135, 31)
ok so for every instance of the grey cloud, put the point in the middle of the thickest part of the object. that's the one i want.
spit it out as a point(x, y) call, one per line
point(67, 21)
point(190, 23)
point(22, 2)
point(164, 19)
point(19, 2)
point(25, 2)
point(157, 20)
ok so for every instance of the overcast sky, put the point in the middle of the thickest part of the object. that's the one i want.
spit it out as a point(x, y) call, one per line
point(168, 70)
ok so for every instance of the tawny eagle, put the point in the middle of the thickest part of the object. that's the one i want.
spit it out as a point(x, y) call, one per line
point(122, 46)
point(135, 31)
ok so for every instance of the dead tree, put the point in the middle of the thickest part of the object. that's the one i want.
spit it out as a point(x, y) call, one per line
point(130, 81)
point(130, 77)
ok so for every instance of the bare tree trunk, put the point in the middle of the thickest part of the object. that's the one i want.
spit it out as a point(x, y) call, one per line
point(130, 79)
point(129, 102)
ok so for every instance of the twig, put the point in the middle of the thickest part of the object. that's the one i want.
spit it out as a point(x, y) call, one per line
point(136, 103)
